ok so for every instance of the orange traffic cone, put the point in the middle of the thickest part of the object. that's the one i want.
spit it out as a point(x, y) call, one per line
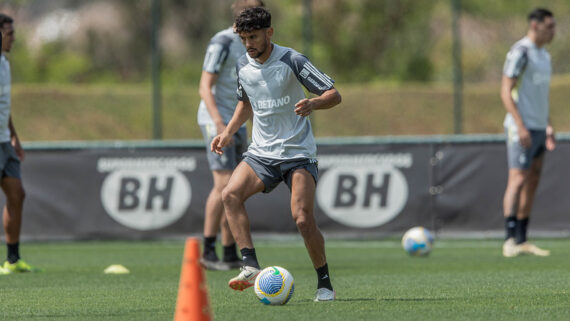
point(192, 303)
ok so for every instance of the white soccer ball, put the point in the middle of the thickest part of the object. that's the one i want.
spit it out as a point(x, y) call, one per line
point(274, 285)
point(417, 241)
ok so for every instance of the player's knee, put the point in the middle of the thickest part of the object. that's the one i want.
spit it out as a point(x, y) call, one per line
point(517, 181)
point(229, 198)
point(532, 180)
point(303, 219)
point(219, 189)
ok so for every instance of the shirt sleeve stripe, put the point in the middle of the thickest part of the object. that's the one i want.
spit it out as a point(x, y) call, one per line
point(318, 74)
point(215, 57)
point(515, 62)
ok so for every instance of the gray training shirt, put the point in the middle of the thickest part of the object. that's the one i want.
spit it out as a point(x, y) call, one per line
point(273, 88)
point(5, 99)
point(221, 56)
point(532, 67)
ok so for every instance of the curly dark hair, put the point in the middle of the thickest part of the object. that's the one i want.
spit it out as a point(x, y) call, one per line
point(253, 19)
point(5, 19)
point(539, 14)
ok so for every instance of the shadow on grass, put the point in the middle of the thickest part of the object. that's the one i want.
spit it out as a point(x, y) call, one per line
point(339, 300)
point(382, 299)
point(414, 299)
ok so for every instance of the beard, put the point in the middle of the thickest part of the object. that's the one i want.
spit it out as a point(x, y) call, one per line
point(257, 53)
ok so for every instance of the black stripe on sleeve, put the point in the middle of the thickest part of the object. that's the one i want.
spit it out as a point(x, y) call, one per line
point(217, 54)
point(313, 79)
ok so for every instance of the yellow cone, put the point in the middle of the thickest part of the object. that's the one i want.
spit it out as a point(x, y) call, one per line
point(116, 269)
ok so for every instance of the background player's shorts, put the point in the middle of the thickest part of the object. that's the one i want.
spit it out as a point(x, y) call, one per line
point(232, 154)
point(272, 172)
point(9, 161)
point(520, 157)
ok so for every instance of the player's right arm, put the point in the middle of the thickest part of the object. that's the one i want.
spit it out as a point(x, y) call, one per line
point(242, 113)
point(15, 140)
point(216, 55)
point(507, 86)
point(207, 82)
point(514, 67)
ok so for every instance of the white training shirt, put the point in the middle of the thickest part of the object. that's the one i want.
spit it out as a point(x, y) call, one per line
point(5, 99)
point(223, 51)
point(532, 66)
point(273, 88)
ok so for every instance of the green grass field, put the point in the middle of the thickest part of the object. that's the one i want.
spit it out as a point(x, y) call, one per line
point(374, 280)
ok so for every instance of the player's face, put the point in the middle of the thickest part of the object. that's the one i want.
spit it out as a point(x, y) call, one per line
point(545, 30)
point(7, 36)
point(256, 42)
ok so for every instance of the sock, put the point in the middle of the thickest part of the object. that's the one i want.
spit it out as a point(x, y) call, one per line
point(323, 277)
point(521, 228)
point(13, 252)
point(230, 253)
point(510, 223)
point(210, 248)
point(249, 257)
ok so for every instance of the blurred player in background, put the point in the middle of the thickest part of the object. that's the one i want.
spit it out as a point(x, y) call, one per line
point(270, 88)
point(527, 125)
point(218, 86)
point(11, 153)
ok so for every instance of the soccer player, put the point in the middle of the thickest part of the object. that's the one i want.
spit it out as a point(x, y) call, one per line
point(527, 125)
point(270, 88)
point(218, 85)
point(11, 153)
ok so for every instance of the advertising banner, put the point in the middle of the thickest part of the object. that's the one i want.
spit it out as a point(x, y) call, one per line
point(364, 189)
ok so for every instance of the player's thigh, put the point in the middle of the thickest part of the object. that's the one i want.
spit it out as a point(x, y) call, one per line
point(11, 174)
point(302, 191)
point(13, 188)
point(244, 182)
point(535, 169)
point(221, 178)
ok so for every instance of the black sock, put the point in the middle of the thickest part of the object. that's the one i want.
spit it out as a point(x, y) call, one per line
point(249, 258)
point(521, 228)
point(510, 223)
point(323, 277)
point(13, 252)
point(230, 253)
point(210, 248)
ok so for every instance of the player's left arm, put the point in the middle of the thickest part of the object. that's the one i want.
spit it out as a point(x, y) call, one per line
point(315, 82)
point(15, 140)
point(326, 100)
point(550, 137)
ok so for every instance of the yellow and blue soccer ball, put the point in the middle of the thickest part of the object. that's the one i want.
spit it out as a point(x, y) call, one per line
point(418, 241)
point(274, 285)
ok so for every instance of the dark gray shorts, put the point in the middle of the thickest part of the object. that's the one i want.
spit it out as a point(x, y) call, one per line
point(520, 157)
point(272, 171)
point(9, 161)
point(232, 154)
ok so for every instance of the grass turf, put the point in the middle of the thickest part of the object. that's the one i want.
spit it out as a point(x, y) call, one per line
point(123, 112)
point(374, 280)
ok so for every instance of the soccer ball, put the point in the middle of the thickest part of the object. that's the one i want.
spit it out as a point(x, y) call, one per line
point(417, 241)
point(274, 285)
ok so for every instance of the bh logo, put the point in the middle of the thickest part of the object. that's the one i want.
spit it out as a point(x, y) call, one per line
point(362, 193)
point(146, 193)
